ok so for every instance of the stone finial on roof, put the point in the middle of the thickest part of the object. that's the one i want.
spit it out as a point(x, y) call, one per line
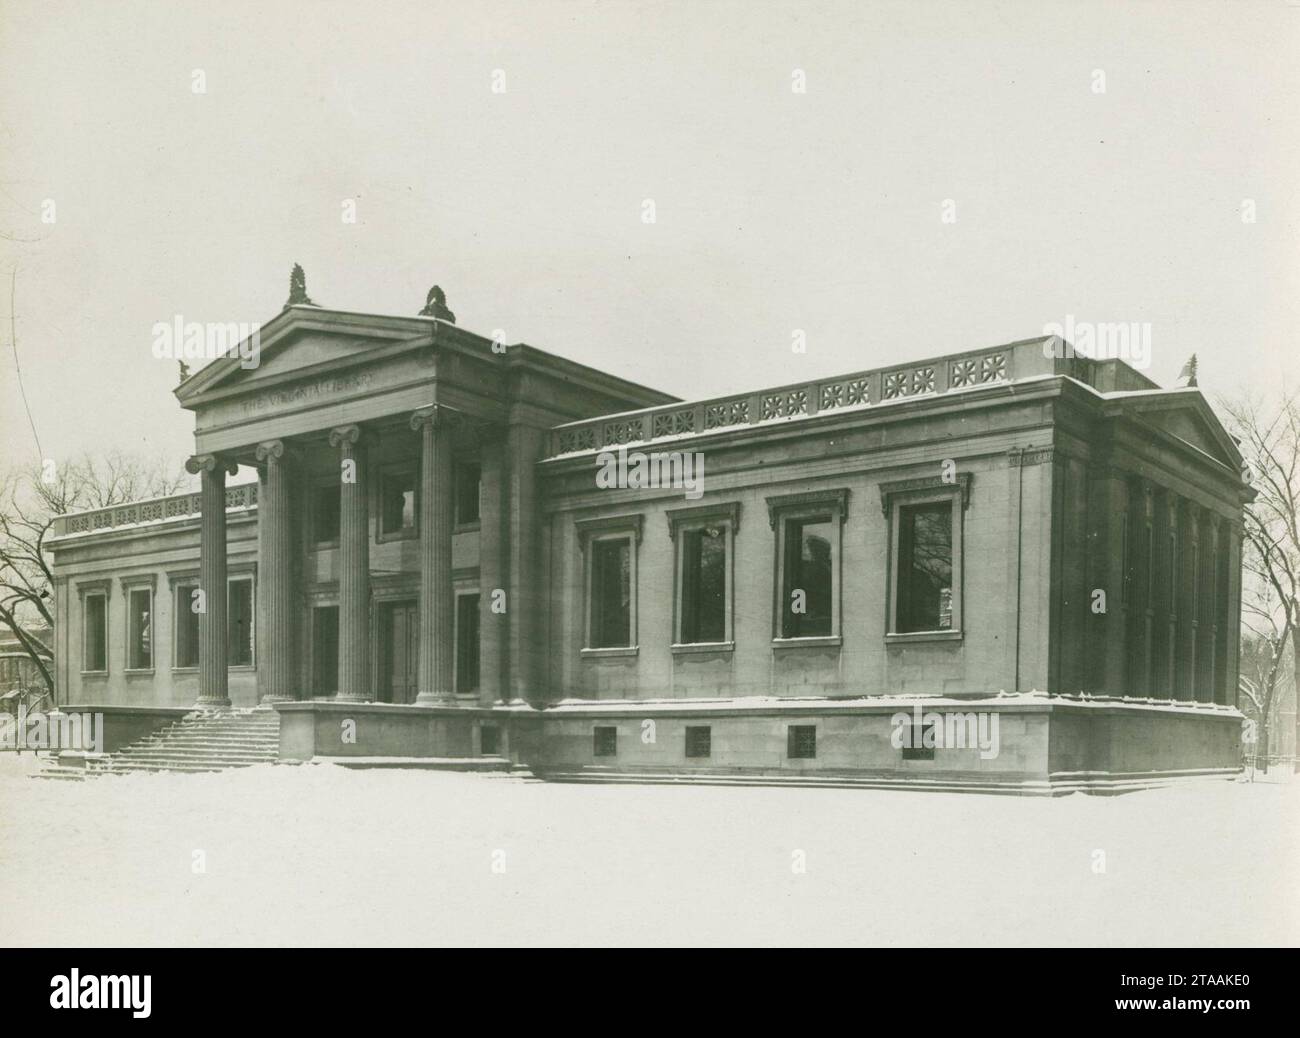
point(298, 289)
point(435, 305)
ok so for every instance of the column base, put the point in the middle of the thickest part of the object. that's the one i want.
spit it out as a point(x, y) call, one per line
point(351, 697)
point(203, 703)
point(434, 699)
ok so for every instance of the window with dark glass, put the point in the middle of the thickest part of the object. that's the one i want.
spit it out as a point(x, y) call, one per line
point(397, 501)
point(801, 741)
point(489, 740)
point(604, 741)
point(611, 593)
point(95, 619)
point(925, 567)
point(467, 643)
point(326, 502)
point(139, 629)
point(187, 627)
point(699, 740)
point(468, 477)
point(239, 623)
point(809, 584)
point(704, 585)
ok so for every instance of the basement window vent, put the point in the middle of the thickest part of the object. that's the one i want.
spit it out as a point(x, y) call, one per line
point(801, 742)
point(490, 740)
point(604, 741)
point(699, 740)
point(921, 734)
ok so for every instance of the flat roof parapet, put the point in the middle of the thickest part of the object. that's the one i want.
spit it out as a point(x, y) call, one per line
point(159, 509)
point(972, 369)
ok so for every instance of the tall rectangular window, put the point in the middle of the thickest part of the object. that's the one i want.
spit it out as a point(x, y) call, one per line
point(139, 628)
point(468, 478)
point(397, 501)
point(809, 584)
point(925, 588)
point(704, 585)
point(467, 643)
point(239, 622)
point(186, 622)
point(925, 557)
point(611, 593)
point(94, 619)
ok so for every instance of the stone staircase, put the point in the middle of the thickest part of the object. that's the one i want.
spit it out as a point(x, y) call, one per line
point(201, 741)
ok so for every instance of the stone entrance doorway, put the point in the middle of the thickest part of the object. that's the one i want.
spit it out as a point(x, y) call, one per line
point(398, 652)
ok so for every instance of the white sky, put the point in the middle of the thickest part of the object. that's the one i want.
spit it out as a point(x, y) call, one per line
point(774, 210)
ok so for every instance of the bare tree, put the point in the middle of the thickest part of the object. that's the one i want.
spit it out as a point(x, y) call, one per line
point(1269, 436)
point(31, 498)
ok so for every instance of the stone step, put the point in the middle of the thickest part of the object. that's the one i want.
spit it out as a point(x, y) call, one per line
point(233, 758)
point(202, 742)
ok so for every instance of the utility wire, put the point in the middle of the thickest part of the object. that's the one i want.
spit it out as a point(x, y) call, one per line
point(13, 339)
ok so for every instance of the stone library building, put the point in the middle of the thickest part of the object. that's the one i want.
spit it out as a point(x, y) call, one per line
point(1010, 569)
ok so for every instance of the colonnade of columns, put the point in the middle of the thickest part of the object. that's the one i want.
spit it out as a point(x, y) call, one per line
point(281, 485)
point(1180, 597)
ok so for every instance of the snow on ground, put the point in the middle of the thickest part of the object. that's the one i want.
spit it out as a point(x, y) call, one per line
point(322, 855)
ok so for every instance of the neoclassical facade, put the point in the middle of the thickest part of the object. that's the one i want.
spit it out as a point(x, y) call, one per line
point(459, 549)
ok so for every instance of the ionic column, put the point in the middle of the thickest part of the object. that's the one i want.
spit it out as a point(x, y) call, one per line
point(437, 600)
point(1171, 578)
point(214, 680)
point(1188, 608)
point(528, 604)
point(277, 652)
point(493, 623)
point(1141, 544)
point(1108, 505)
point(354, 566)
point(1209, 629)
point(1232, 649)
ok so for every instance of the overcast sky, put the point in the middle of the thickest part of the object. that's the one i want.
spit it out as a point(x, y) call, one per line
point(774, 210)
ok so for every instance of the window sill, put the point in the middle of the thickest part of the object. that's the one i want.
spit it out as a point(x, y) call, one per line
point(596, 654)
point(135, 672)
point(832, 641)
point(397, 535)
point(688, 648)
point(94, 673)
point(470, 527)
point(914, 637)
point(185, 670)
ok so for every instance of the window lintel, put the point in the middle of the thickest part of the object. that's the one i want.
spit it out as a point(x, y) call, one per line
point(588, 528)
point(679, 517)
point(835, 501)
point(923, 487)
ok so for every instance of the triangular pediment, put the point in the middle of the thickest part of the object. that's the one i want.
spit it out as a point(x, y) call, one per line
point(306, 340)
point(1185, 416)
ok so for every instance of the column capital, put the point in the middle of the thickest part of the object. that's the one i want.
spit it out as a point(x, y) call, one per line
point(271, 449)
point(209, 463)
point(345, 434)
point(439, 416)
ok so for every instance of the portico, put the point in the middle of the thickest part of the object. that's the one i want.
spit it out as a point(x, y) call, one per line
point(394, 454)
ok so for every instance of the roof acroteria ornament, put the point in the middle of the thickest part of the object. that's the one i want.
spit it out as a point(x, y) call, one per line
point(298, 289)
